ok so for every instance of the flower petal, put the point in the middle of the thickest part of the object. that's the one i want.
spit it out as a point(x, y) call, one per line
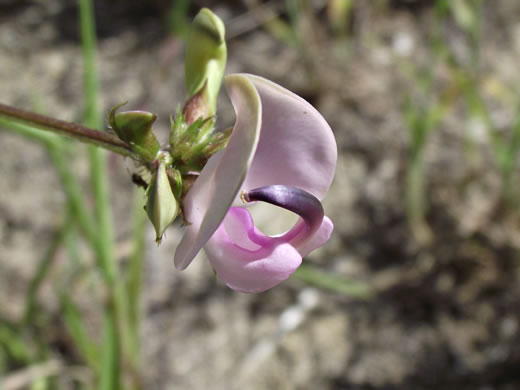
point(296, 147)
point(212, 194)
point(245, 269)
point(318, 239)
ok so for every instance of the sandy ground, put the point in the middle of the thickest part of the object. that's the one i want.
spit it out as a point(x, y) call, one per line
point(445, 315)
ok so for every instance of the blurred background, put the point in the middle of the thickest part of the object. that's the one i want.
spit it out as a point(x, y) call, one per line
point(418, 286)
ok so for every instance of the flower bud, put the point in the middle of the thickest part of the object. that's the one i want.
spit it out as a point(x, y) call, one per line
point(135, 128)
point(162, 206)
point(197, 106)
point(206, 56)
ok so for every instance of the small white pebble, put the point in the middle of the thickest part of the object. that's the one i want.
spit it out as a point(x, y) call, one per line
point(477, 130)
point(291, 318)
point(403, 44)
point(309, 298)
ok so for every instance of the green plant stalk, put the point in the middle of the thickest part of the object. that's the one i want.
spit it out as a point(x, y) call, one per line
point(71, 245)
point(74, 322)
point(56, 147)
point(109, 376)
point(74, 195)
point(117, 309)
point(10, 115)
point(111, 367)
point(56, 150)
point(43, 269)
point(77, 208)
point(28, 131)
point(14, 347)
point(421, 121)
point(415, 194)
point(177, 18)
point(90, 349)
point(135, 266)
point(414, 182)
point(97, 157)
point(325, 280)
point(475, 35)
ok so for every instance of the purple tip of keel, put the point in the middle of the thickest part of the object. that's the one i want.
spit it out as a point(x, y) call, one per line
point(300, 202)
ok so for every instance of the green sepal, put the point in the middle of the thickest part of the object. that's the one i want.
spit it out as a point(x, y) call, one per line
point(135, 128)
point(191, 145)
point(178, 127)
point(206, 56)
point(162, 206)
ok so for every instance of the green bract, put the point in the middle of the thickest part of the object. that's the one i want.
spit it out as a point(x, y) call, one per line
point(135, 128)
point(162, 206)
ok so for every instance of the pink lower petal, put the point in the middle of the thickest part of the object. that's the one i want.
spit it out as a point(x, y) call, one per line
point(246, 270)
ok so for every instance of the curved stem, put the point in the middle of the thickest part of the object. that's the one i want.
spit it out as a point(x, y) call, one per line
point(79, 132)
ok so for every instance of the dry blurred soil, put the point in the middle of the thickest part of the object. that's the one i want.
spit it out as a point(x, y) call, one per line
point(445, 315)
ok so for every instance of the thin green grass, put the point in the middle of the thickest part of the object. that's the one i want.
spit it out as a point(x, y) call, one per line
point(111, 355)
point(328, 281)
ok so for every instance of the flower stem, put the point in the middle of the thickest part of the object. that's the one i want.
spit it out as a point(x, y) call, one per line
point(9, 114)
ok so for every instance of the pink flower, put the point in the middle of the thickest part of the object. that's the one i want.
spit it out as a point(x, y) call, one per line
point(281, 151)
